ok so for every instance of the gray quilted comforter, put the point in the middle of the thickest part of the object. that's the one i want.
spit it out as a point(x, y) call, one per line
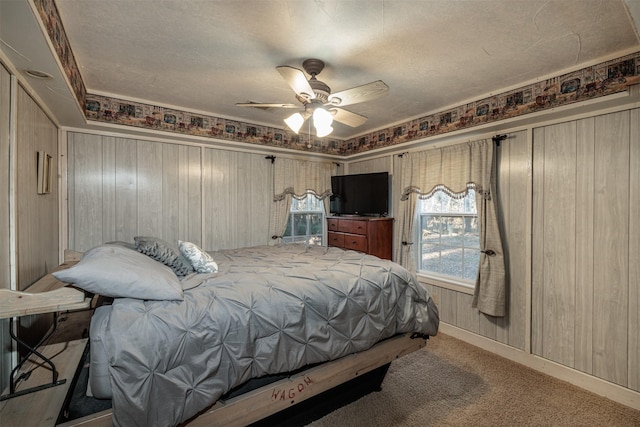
point(268, 310)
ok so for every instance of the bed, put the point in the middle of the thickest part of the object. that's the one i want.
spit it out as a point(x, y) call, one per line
point(174, 340)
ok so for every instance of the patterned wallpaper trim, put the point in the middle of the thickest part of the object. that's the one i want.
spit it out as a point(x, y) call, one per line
point(595, 81)
point(55, 31)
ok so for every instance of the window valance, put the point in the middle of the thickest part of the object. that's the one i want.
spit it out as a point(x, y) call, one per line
point(454, 169)
point(297, 178)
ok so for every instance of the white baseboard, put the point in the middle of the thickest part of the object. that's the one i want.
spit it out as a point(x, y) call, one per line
point(585, 381)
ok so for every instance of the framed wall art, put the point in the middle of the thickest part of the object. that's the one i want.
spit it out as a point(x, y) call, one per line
point(44, 173)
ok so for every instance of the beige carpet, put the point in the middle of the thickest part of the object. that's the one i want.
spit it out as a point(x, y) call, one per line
point(452, 383)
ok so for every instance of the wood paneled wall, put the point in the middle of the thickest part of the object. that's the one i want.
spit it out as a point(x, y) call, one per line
point(380, 164)
point(33, 216)
point(119, 188)
point(237, 199)
point(586, 246)
point(5, 171)
point(5, 224)
point(36, 214)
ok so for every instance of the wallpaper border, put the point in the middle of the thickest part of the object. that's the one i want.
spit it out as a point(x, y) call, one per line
point(591, 82)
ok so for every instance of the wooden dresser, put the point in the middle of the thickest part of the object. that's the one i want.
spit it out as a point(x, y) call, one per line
point(371, 235)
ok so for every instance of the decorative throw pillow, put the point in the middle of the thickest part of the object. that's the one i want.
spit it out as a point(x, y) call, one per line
point(165, 253)
point(200, 260)
point(120, 272)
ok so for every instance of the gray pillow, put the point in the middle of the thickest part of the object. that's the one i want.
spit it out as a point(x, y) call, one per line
point(120, 272)
point(165, 253)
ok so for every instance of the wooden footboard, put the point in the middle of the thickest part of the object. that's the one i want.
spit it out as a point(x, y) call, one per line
point(275, 397)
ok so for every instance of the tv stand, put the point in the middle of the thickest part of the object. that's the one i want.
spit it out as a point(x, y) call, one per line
point(371, 235)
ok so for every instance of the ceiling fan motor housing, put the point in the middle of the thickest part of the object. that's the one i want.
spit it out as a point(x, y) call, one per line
point(321, 90)
point(313, 67)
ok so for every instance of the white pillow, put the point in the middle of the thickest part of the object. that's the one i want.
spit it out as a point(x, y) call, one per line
point(120, 272)
point(200, 260)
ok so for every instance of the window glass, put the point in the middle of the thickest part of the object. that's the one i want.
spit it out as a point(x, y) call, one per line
point(306, 221)
point(449, 244)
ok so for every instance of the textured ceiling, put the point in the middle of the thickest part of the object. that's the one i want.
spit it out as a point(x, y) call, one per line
point(208, 55)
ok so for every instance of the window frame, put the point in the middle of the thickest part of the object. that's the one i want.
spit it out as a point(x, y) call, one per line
point(292, 213)
point(456, 283)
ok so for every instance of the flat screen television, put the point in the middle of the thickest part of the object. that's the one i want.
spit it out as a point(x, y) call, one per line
point(364, 194)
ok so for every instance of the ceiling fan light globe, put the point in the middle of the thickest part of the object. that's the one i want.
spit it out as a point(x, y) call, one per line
point(322, 118)
point(294, 122)
point(323, 131)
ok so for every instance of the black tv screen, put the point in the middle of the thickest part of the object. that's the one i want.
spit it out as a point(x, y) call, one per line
point(364, 194)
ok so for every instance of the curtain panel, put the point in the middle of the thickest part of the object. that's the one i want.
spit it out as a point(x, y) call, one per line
point(296, 178)
point(455, 170)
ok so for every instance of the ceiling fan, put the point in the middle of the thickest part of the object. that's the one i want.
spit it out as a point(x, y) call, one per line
point(319, 102)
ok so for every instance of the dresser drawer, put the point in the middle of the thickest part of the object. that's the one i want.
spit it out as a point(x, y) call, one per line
point(333, 224)
point(335, 239)
point(353, 226)
point(355, 242)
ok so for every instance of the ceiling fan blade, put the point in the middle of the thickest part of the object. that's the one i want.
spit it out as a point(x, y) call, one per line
point(297, 80)
point(363, 93)
point(347, 117)
point(265, 105)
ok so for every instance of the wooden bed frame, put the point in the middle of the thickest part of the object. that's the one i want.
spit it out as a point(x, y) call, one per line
point(273, 398)
point(267, 400)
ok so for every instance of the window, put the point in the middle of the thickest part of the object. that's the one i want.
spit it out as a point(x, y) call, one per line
point(449, 243)
point(306, 221)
